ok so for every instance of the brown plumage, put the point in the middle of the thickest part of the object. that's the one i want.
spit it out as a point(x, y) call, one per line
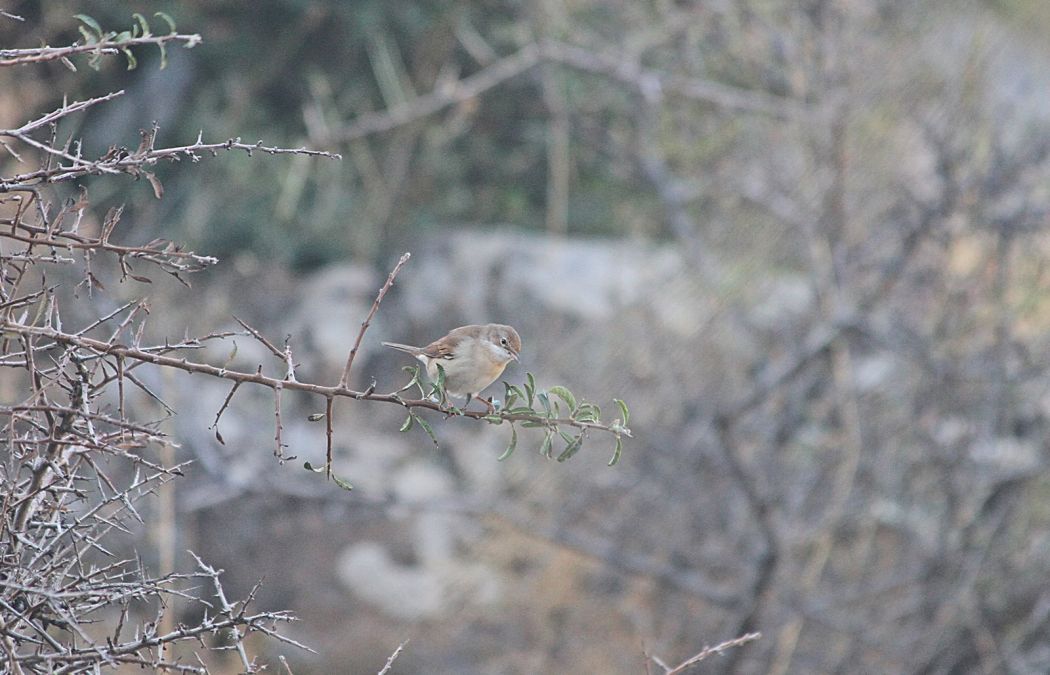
point(473, 357)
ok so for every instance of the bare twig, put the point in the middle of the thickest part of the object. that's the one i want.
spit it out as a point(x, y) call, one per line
point(393, 657)
point(705, 653)
point(344, 379)
point(120, 160)
point(147, 355)
point(20, 57)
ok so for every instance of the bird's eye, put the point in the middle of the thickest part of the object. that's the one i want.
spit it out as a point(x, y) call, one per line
point(503, 341)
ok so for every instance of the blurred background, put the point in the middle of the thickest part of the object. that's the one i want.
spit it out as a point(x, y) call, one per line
point(805, 240)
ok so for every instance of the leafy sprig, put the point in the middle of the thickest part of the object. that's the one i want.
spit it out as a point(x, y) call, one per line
point(552, 409)
point(139, 33)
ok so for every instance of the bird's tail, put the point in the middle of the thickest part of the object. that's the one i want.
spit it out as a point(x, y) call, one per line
point(414, 351)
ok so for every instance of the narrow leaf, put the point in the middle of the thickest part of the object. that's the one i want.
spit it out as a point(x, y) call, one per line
point(545, 401)
point(407, 424)
point(342, 483)
point(509, 394)
point(571, 449)
point(530, 387)
point(142, 23)
point(89, 39)
point(513, 444)
point(167, 19)
point(132, 61)
point(624, 413)
point(84, 18)
point(616, 452)
point(548, 441)
point(427, 428)
point(565, 395)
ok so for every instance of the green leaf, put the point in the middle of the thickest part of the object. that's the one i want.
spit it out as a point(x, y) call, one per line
point(142, 23)
point(87, 20)
point(517, 392)
point(168, 20)
point(122, 36)
point(513, 444)
point(342, 483)
point(616, 452)
point(315, 417)
point(565, 395)
point(508, 394)
point(437, 388)
point(407, 424)
point(132, 61)
point(587, 412)
point(338, 481)
point(414, 372)
point(530, 387)
point(493, 419)
point(88, 37)
point(545, 401)
point(535, 425)
point(625, 414)
point(163, 56)
point(571, 449)
point(520, 410)
point(427, 428)
point(548, 441)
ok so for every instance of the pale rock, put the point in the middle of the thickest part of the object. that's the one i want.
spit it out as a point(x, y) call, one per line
point(399, 591)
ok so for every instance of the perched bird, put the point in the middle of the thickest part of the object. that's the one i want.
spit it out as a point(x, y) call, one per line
point(471, 356)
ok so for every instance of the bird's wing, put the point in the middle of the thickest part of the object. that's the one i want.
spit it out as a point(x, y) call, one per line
point(440, 349)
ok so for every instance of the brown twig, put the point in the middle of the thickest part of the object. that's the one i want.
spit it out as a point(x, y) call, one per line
point(20, 57)
point(705, 653)
point(344, 379)
point(120, 160)
point(148, 356)
point(328, 428)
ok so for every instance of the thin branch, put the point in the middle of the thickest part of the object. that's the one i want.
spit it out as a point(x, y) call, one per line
point(705, 653)
point(142, 355)
point(59, 113)
point(393, 657)
point(435, 101)
point(19, 57)
point(123, 161)
point(344, 380)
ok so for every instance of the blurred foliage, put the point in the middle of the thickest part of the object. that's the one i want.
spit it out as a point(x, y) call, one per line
point(262, 67)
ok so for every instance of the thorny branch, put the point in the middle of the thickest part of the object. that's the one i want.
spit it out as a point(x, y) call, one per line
point(345, 378)
point(76, 465)
point(32, 55)
point(705, 653)
point(151, 356)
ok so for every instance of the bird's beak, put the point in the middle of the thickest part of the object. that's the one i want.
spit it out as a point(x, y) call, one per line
point(513, 354)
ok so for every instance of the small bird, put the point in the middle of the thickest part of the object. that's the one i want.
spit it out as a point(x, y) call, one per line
point(471, 356)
